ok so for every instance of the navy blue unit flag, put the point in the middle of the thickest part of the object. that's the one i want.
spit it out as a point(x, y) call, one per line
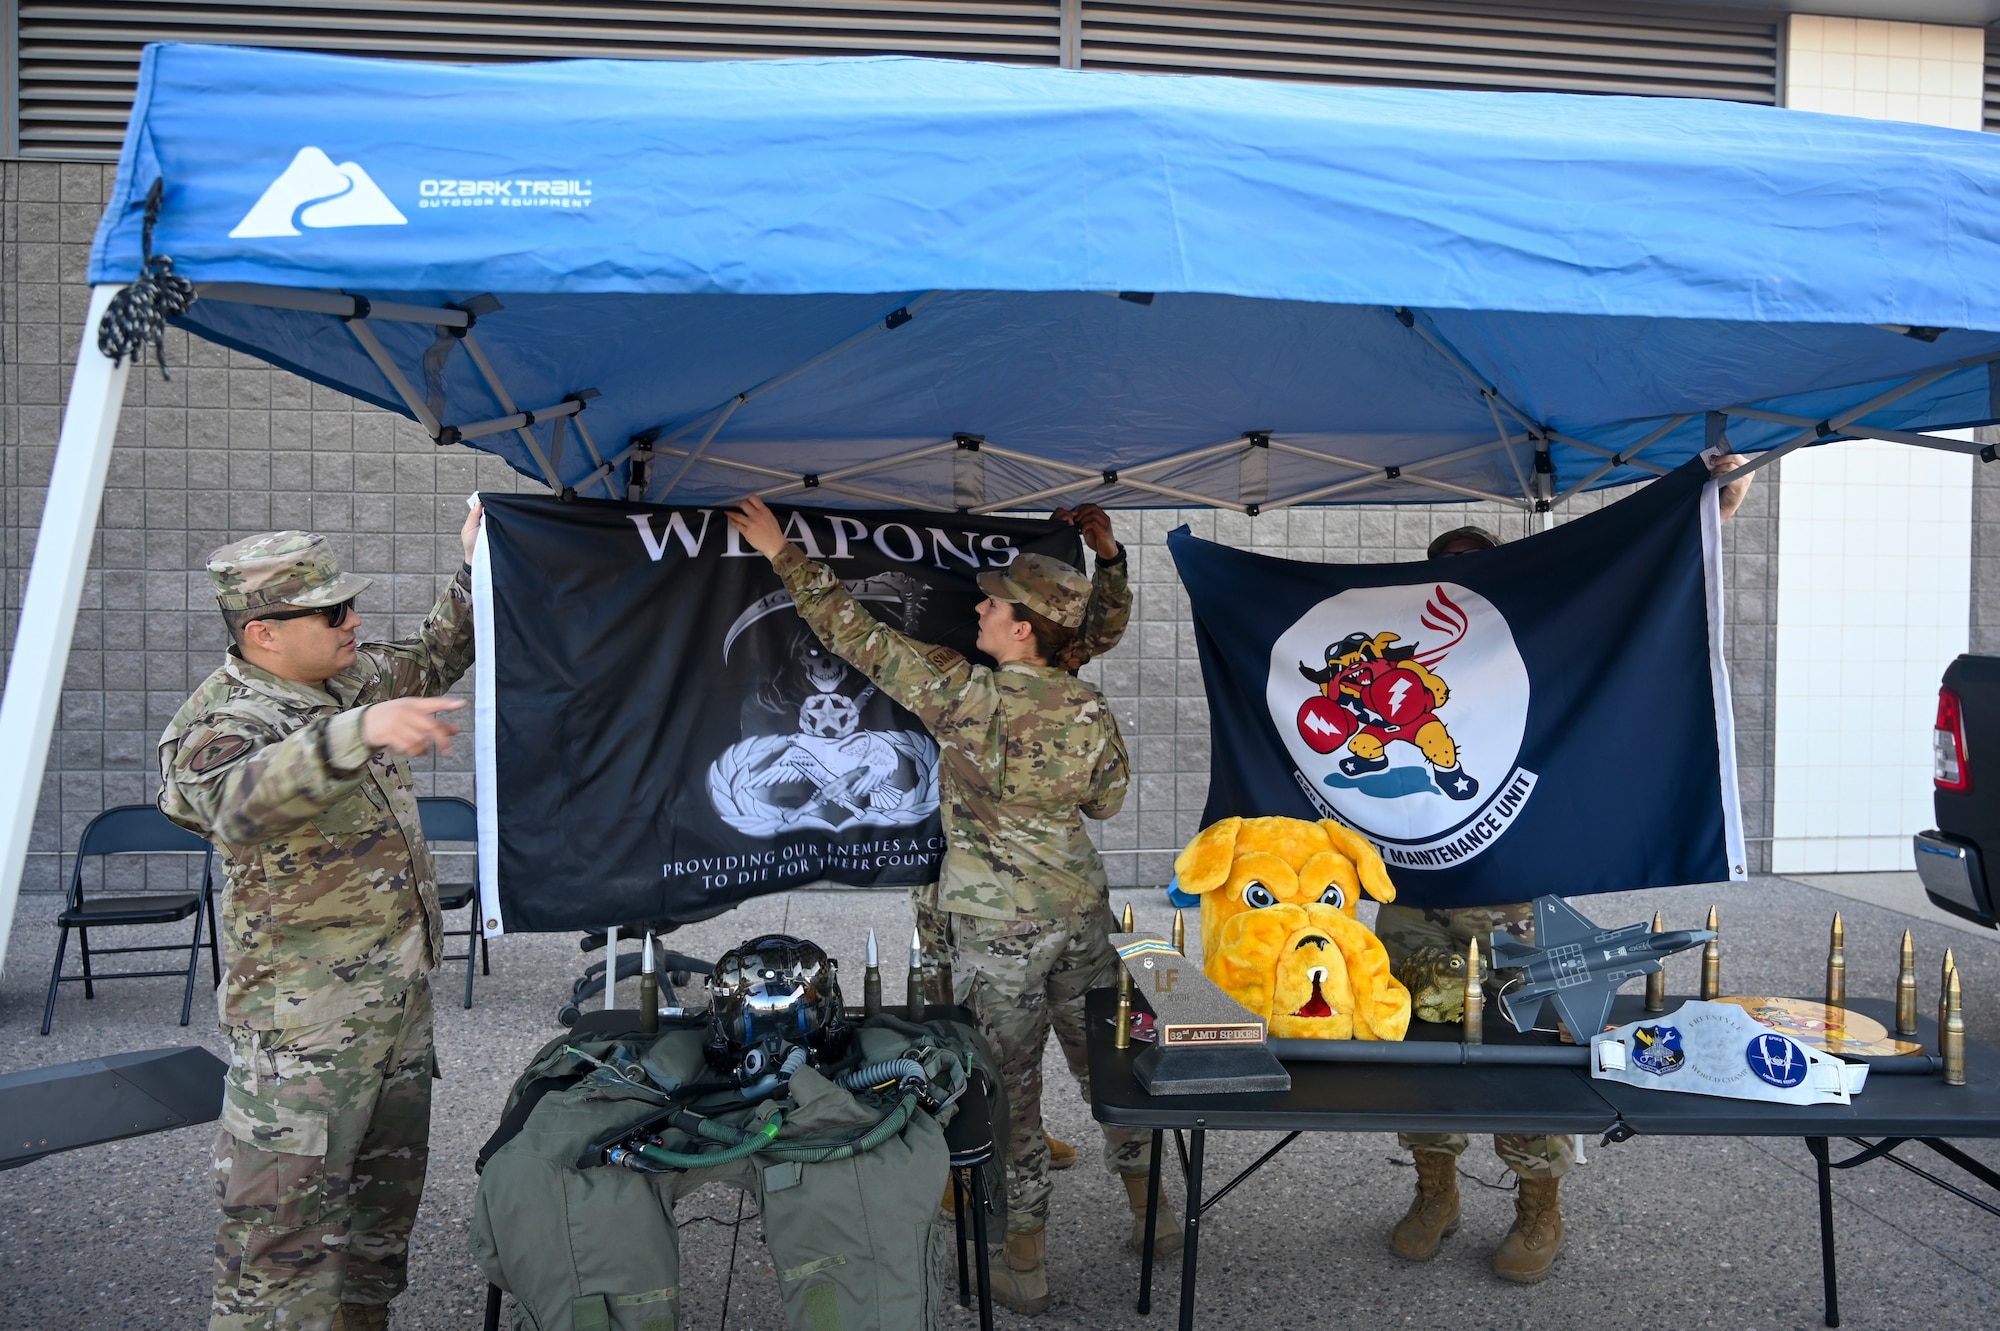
point(1549, 716)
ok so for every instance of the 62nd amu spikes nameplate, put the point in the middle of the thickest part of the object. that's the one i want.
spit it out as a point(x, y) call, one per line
point(1205, 1042)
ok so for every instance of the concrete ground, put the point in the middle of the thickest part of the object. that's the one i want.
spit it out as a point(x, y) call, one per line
point(1662, 1232)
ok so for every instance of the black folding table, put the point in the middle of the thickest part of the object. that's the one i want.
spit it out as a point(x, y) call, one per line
point(1893, 1110)
point(1351, 1097)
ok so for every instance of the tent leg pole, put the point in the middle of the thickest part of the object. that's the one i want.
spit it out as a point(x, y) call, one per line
point(55, 586)
point(611, 968)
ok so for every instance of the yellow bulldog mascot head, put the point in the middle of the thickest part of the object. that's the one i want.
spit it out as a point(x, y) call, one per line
point(1278, 927)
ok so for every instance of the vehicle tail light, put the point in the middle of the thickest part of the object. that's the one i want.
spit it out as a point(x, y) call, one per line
point(1951, 769)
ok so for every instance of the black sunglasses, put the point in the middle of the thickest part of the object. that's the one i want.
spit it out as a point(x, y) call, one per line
point(336, 615)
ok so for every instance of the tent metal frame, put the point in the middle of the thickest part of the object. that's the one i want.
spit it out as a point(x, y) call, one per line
point(90, 423)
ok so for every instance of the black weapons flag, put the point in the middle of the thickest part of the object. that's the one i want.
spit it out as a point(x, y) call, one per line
point(1549, 716)
point(661, 737)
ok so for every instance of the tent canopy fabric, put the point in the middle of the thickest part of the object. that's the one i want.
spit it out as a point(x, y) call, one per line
point(825, 274)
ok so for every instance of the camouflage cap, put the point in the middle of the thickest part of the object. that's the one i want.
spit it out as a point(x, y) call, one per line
point(281, 568)
point(1049, 587)
point(1479, 537)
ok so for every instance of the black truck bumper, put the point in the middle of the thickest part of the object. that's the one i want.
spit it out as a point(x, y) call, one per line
point(1954, 876)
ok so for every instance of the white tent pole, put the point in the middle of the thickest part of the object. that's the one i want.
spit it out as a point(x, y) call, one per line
point(596, 459)
point(380, 355)
point(1624, 459)
point(1464, 367)
point(506, 400)
point(1603, 452)
point(907, 310)
point(1835, 425)
point(1520, 477)
point(702, 447)
point(1887, 436)
point(55, 586)
point(611, 968)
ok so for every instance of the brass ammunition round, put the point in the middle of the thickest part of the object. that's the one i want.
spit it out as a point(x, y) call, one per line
point(1475, 998)
point(1944, 994)
point(1711, 959)
point(1125, 921)
point(1906, 988)
point(649, 1002)
point(1180, 932)
point(1122, 1037)
point(1953, 1044)
point(1836, 965)
point(1656, 983)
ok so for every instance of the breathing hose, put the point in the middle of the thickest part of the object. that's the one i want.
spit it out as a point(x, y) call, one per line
point(750, 1144)
point(891, 1124)
point(737, 1144)
point(874, 1074)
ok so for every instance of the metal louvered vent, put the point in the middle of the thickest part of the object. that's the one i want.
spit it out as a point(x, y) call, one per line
point(1993, 83)
point(1438, 46)
point(79, 59)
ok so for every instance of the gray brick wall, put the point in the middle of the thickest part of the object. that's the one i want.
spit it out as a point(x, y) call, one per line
point(230, 446)
point(1750, 615)
point(1986, 550)
point(227, 447)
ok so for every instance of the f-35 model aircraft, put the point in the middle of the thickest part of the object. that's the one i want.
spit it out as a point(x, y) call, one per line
point(1576, 966)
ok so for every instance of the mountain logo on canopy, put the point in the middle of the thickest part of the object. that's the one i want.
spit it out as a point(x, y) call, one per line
point(1403, 710)
point(319, 194)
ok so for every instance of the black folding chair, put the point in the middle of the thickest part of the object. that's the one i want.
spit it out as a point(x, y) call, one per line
point(135, 829)
point(448, 818)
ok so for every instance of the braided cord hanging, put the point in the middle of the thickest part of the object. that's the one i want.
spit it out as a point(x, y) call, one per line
point(138, 314)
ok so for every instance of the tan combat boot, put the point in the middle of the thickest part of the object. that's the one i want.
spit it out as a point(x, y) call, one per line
point(1166, 1229)
point(362, 1317)
point(1021, 1282)
point(1061, 1154)
point(1529, 1252)
point(1433, 1215)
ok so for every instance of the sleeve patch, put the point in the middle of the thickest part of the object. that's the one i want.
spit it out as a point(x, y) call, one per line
point(217, 752)
point(943, 659)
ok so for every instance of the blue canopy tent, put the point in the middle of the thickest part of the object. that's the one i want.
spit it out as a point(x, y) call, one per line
point(953, 285)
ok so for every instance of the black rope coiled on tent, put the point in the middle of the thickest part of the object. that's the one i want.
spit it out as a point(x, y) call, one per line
point(138, 314)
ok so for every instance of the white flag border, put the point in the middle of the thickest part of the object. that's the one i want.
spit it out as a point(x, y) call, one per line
point(485, 753)
point(1718, 674)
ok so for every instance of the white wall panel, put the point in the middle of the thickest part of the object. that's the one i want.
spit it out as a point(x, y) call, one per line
point(1874, 540)
point(1874, 599)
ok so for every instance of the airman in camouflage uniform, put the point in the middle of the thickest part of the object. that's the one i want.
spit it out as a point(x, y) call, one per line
point(1530, 1248)
point(329, 928)
point(1105, 617)
point(1404, 929)
point(1026, 751)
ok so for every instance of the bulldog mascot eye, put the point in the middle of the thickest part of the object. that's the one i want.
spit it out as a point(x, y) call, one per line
point(1278, 927)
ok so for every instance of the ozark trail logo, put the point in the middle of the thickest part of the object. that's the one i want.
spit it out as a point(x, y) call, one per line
point(319, 194)
point(1403, 710)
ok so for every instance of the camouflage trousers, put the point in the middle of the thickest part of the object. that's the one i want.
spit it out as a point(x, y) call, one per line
point(1404, 929)
point(1023, 978)
point(320, 1164)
